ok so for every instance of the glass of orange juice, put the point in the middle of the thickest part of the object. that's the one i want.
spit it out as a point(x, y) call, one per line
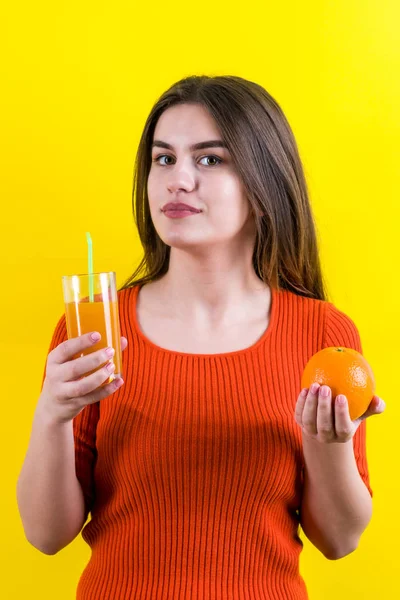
point(91, 304)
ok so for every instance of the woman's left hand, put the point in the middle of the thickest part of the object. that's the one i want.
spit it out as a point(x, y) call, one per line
point(326, 422)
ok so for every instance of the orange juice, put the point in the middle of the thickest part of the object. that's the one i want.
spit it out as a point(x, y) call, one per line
point(84, 317)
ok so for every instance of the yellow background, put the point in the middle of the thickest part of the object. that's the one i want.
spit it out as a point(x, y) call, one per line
point(78, 79)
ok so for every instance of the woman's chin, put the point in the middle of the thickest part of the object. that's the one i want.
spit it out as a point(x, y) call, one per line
point(183, 241)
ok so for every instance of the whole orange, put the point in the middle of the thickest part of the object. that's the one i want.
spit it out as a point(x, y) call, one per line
point(346, 372)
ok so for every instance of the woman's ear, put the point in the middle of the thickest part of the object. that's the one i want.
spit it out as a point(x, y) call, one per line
point(257, 211)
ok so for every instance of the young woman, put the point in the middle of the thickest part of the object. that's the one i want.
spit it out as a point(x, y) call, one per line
point(199, 469)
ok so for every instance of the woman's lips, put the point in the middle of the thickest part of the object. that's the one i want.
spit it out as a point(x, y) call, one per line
point(179, 210)
point(179, 214)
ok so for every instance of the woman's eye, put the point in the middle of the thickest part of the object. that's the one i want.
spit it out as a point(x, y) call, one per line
point(157, 159)
point(215, 160)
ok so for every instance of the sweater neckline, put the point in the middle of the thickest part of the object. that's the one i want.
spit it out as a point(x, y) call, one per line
point(266, 334)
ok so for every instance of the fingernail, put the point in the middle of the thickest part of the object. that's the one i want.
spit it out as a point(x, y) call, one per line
point(118, 382)
point(304, 392)
point(324, 391)
point(314, 388)
point(110, 366)
point(341, 399)
point(95, 336)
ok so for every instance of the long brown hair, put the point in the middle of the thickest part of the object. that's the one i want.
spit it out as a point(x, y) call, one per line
point(265, 155)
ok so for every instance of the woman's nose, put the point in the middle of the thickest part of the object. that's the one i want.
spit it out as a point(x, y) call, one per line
point(180, 179)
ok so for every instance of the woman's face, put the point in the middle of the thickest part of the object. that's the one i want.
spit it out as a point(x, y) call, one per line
point(203, 178)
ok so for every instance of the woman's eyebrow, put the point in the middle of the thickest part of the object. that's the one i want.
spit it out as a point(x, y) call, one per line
point(198, 146)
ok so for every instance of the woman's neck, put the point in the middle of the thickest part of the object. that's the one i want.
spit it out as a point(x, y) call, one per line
point(209, 288)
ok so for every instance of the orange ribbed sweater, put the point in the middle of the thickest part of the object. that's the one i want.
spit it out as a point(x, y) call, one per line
point(192, 471)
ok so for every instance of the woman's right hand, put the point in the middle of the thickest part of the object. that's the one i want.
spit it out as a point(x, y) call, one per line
point(64, 393)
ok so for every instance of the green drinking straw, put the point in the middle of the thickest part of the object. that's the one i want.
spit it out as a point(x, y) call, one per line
point(90, 266)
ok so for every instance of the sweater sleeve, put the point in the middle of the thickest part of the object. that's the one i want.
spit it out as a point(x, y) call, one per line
point(84, 429)
point(340, 330)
